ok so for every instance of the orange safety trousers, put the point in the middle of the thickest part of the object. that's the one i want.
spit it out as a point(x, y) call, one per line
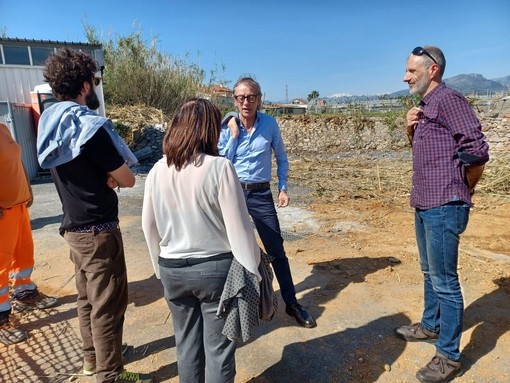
point(16, 253)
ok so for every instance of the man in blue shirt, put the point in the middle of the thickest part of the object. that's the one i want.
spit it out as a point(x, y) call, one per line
point(249, 140)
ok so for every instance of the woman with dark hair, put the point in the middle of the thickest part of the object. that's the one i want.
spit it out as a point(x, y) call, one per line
point(195, 221)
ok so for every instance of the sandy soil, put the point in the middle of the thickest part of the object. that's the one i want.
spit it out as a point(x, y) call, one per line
point(350, 241)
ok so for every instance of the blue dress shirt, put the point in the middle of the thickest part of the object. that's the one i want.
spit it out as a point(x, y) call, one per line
point(251, 153)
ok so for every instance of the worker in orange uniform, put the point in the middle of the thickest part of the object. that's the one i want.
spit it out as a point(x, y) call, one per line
point(16, 243)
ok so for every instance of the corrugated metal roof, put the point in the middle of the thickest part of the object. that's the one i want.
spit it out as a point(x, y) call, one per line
point(37, 41)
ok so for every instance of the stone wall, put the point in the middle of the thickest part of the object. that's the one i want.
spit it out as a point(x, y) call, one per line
point(317, 134)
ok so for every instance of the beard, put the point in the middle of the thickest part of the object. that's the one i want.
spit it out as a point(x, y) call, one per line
point(419, 87)
point(91, 99)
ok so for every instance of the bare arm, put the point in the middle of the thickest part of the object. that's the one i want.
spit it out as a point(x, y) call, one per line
point(121, 177)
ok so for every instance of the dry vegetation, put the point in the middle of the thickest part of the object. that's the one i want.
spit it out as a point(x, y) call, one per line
point(354, 175)
point(367, 176)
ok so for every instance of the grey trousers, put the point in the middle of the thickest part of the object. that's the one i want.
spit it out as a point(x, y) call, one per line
point(101, 282)
point(193, 293)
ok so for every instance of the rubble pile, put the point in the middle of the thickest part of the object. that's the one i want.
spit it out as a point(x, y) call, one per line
point(143, 129)
point(147, 144)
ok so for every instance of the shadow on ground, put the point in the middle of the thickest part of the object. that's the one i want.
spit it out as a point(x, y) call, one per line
point(354, 355)
point(488, 328)
point(51, 354)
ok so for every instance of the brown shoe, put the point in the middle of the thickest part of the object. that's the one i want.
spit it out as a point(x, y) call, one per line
point(439, 370)
point(416, 333)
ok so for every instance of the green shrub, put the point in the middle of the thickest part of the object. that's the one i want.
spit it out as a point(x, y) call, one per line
point(137, 73)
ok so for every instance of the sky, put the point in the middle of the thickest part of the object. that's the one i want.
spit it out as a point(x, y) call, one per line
point(290, 47)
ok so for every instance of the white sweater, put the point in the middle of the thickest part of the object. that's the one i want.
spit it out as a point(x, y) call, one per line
point(197, 212)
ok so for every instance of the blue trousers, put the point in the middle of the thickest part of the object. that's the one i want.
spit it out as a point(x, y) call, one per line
point(437, 235)
point(262, 210)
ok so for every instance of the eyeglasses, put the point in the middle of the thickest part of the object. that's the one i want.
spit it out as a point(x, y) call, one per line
point(251, 98)
point(419, 51)
point(97, 81)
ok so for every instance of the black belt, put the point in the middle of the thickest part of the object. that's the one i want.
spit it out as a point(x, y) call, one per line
point(95, 228)
point(261, 185)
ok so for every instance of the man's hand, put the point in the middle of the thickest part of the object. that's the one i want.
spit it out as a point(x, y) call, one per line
point(473, 175)
point(111, 182)
point(233, 127)
point(122, 177)
point(412, 119)
point(283, 199)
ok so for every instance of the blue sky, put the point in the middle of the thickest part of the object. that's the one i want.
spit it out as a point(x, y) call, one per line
point(290, 47)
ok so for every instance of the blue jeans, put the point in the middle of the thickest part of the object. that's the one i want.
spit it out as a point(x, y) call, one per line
point(437, 235)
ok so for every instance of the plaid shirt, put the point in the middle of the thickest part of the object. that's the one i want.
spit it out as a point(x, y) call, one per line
point(447, 138)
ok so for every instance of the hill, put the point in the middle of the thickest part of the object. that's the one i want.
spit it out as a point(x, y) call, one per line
point(470, 83)
point(503, 80)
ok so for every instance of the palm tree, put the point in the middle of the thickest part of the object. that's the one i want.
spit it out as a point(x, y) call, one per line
point(313, 94)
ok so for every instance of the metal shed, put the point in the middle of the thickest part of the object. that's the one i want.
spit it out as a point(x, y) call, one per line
point(18, 118)
point(21, 71)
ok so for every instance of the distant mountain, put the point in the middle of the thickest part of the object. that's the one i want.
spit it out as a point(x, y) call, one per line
point(503, 80)
point(338, 95)
point(470, 83)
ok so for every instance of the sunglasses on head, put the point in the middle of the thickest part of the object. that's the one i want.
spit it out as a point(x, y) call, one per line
point(419, 51)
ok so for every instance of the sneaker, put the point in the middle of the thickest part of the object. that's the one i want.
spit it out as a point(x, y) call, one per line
point(416, 333)
point(133, 377)
point(11, 335)
point(89, 367)
point(439, 370)
point(33, 300)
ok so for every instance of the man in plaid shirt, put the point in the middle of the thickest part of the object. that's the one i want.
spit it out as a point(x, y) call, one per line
point(449, 155)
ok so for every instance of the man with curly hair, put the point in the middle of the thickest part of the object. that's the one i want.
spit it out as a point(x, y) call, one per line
point(87, 160)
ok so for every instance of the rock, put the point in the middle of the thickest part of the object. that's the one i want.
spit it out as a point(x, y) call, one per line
point(144, 153)
point(394, 261)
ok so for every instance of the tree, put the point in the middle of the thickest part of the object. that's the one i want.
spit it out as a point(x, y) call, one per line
point(313, 94)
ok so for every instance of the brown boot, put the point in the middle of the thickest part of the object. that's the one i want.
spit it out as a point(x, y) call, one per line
point(416, 333)
point(32, 300)
point(439, 370)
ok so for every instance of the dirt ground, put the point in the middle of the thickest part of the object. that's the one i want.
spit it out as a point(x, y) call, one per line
point(350, 240)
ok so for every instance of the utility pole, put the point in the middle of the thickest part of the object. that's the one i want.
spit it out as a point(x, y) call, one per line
point(286, 94)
